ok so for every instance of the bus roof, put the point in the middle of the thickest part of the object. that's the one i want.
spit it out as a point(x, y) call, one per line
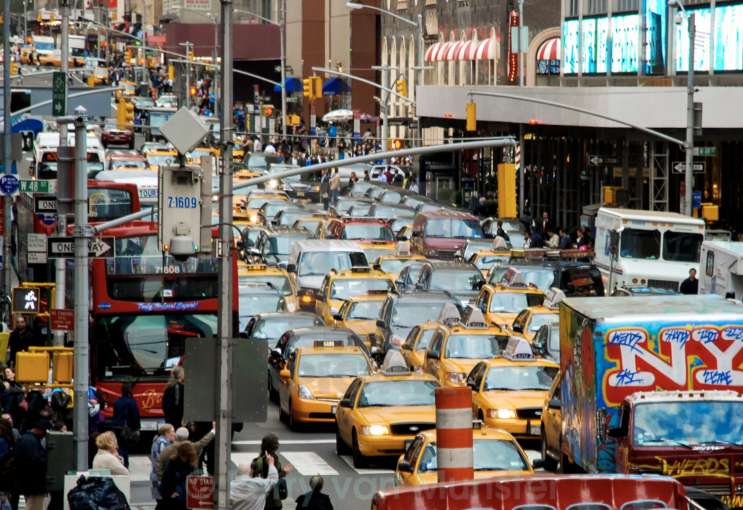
point(665, 307)
point(631, 214)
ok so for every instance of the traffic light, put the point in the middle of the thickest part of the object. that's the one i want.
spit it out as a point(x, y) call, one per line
point(191, 55)
point(193, 91)
point(171, 72)
point(506, 190)
point(125, 112)
point(267, 110)
point(14, 69)
point(129, 56)
point(472, 123)
point(307, 86)
point(316, 87)
point(397, 144)
point(402, 87)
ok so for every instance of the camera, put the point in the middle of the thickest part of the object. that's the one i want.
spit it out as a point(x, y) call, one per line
point(678, 18)
point(181, 248)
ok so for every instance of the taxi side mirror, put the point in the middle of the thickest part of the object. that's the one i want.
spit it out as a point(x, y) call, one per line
point(405, 466)
point(276, 352)
point(285, 374)
point(472, 385)
point(406, 346)
point(517, 328)
point(433, 355)
point(402, 238)
point(346, 402)
point(381, 323)
point(555, 403)
point(537, 463)
point(420, 286)
point(338, 317)
point(291, 268)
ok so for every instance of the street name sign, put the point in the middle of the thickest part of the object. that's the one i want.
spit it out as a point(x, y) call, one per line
point(705, 151)
point(64, 248)
point(679, 167)
point(602, 160)
point(33, 186)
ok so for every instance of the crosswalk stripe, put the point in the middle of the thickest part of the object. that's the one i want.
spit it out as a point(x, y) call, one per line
point(290, 441)
point(349, 460)
point(309, 463)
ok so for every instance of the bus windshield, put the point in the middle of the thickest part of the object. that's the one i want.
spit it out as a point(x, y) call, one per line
point(106, 203)
point(682, 246)
point(130, 346)
point(640, 244)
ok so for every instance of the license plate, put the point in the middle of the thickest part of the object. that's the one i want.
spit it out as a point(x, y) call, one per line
point(535, 430)
point(300, 193)
point(333, 409)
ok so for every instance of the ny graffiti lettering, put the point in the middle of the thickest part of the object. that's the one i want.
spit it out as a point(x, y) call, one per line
point(627, 378)
point(717, 378)
point(628, 338)
point(733, 333)
point(706, 336)
point(679, 336)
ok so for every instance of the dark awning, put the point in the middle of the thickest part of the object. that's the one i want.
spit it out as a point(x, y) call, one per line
point(335, 87)
point(292, 85)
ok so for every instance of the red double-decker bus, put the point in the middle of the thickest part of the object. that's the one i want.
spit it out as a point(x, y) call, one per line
point(145, 307)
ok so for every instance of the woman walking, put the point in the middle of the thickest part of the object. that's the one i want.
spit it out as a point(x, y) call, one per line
point(125, 423)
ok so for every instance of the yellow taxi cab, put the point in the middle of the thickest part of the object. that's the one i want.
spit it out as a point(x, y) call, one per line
point(529, 320)
point(315, 379)
point(27, 55)
point(359, 314)
point(341, 285)
point(311, 222)
point(502, 302)
point(100, 76)
point(508, 392)
point(393, 263)
point(53, 58)
point(129, 91)
point(380, 412)
point(260, 273)
point(459, 345)
point(194, 157)
point(242, 174)
point(255, 202)
point(322, 228)
point(485, 260)
point(494, 452)
point(157, 157)
point(414, 348)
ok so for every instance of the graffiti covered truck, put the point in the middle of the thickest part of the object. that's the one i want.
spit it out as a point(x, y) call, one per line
point(651, 386)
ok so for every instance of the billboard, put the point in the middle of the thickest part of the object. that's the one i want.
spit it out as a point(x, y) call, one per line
point(655, 36)
point(625, 41)
point(729, 38)
point(199, 5)
point(571, 47)
point(702, 24)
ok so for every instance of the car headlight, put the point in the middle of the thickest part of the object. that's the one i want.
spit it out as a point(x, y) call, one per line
point(397, 341)
point(431, 252)
point(274, 183)
point(503, 414)
point(374, 430)
point(317, 188)
point(254, 218)
point(456, 377)
point(291, 307)
point(304, 392)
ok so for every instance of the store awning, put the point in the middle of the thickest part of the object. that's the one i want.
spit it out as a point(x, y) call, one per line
point(291, 84)
point(485, 50)
point(549, 50)
point(452, 51)
point(467, 51)
point(433, 53)
point(461, 50)
point(336, 87)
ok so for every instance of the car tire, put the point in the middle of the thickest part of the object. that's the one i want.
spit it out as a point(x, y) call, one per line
point(294, 426)
point(550, 464)
point(359, 461)
point(131, 145)
point(341, 448)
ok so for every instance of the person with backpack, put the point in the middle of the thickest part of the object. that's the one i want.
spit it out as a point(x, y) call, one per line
point(259, 467)
point(173, 397)
point(125, 423)
point(31, 465)
point(248, 493)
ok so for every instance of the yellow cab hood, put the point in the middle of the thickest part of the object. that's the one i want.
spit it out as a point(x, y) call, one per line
point(366, 327)
point(399, 414)
point(502, 318)
point(460, 365)
point(431, 477)
point(327, 387)
point(516, 399)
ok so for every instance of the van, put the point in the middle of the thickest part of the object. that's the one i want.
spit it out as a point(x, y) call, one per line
point(439, 234)
point(311, 260)
point(657, 249)
point(44, 152)
point(722, 269)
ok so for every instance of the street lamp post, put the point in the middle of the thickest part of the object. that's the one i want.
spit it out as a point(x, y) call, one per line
point(188, 73)
point(214, 52)
point(282, 29)
point(689, 144)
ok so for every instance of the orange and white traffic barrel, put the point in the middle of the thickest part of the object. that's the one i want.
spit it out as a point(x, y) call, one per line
point(454, 434)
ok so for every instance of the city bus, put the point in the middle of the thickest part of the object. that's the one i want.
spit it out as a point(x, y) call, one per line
point(145, 307)
point(656, 249)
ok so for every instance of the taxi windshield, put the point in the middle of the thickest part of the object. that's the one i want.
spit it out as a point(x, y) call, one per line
point(520, 377)
point(289, 217)
point(540, 319)
point(279, 281)
point(425, 339)
point(508, 302)
point(375, 253)
point(344, 289)
point(456, 281)
point(253, 304)
point(281, 245)
point(344, 204)
point(688, 423)
point(122, 163)
point(358, 211)
point(130, 346)
point(393, 265)
point(161, 159)
point(382, 232)
point(310, 225)
point(487, 261)
point(398, 393)
point(272, 329)
point(333, 365)
point(257, 203)
point(364, 310)
point(474, 346)
point(453, 228)
point(488, 455)
point(408, 315)
point(319, 263)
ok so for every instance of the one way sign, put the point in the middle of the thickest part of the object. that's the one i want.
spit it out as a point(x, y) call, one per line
point(679, 167)
point(64, 248)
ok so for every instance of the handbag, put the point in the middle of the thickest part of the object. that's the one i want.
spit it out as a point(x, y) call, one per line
point(129, 438)
point(283, 489)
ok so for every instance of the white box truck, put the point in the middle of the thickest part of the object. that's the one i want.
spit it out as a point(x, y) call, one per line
point(722, 269)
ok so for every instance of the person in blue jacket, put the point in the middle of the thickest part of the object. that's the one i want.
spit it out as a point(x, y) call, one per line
point(126, 413)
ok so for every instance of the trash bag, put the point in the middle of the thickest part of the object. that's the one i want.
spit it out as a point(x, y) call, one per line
point(96, 493)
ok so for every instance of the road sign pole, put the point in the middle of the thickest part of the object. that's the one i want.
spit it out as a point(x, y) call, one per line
point(7, 163)
point(689, 145)
point(82, 293)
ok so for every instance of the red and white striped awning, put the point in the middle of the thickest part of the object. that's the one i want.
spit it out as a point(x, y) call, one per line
point(467, 51)
point(432, 53)
point(485, 50)
point(452, 50)
point(549, 50)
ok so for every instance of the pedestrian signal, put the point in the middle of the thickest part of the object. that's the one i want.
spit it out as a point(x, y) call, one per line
point(267, 110)
point(26, 300)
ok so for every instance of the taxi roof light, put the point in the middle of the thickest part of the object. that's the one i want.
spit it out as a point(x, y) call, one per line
point(376, 292)
point(449, 314)
point(256, 267)
point(518, 349)
point(473, 318)
point(554, 297)
point(328, 343)
point(394, 364)
point(360, 269)
point(499, 244)
point(514, 279)
point(403, 249)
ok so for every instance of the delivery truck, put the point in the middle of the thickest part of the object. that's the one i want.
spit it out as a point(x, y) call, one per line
point(650, 385)
point(722, 269)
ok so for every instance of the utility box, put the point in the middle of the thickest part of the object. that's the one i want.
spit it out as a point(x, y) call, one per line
point(60, 457)
point(62, 367)
point(32, 367)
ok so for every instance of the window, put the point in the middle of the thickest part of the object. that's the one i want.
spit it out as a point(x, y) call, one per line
point(344, 289)
point(518, 378)
point(682, 246)
point(425, 340)
point(710, 269)
point(474, 346)
point(398, 393)
point(640, 244)
point(333, 365)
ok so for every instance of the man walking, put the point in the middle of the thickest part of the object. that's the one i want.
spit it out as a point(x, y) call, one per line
point(335, 186)
point(691, 284)
point(31, 465)
point(565, 242)
point(325, 189)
